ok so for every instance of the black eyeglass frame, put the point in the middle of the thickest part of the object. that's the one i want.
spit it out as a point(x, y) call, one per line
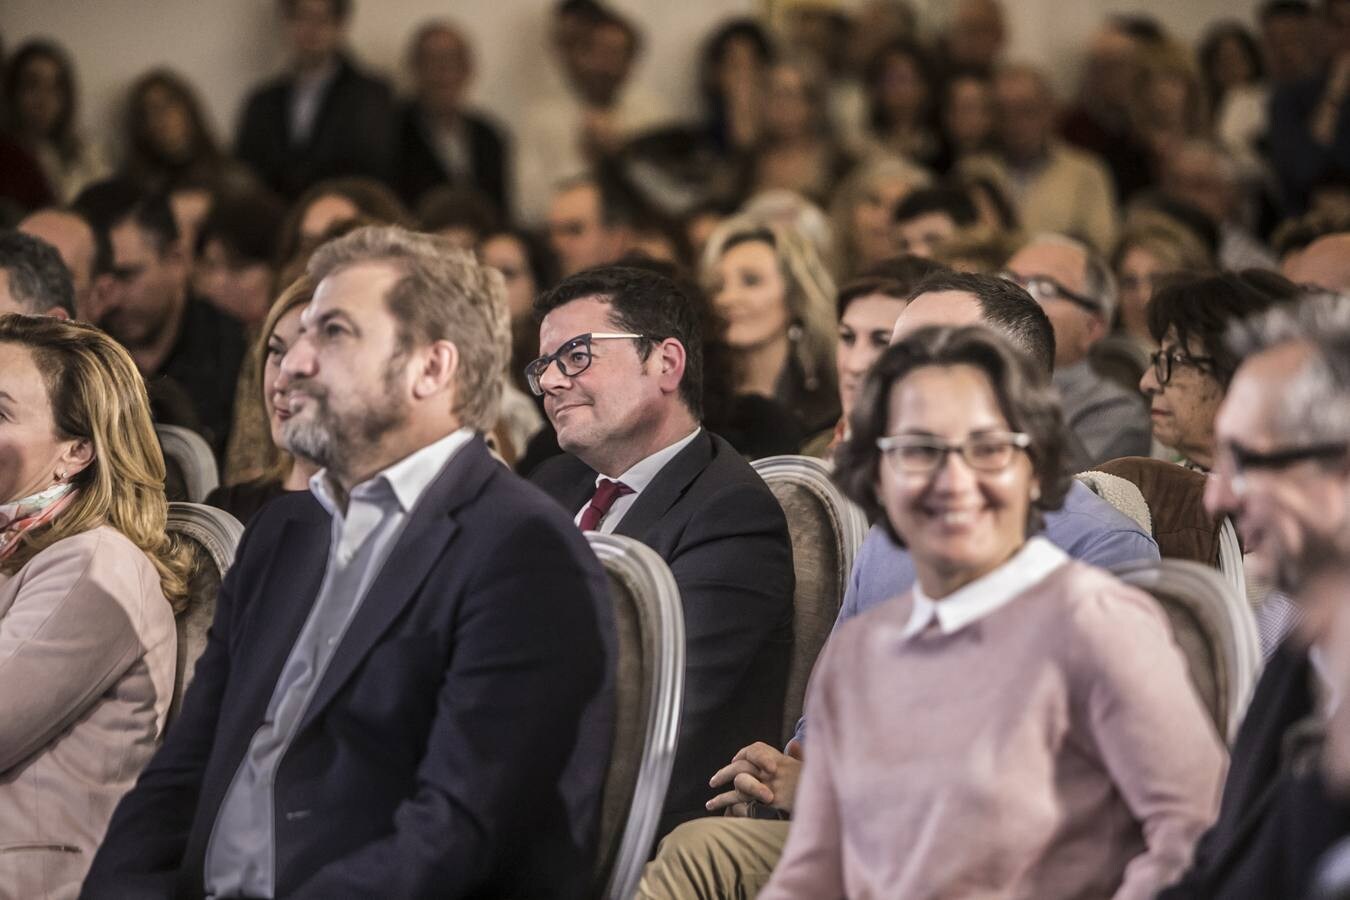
point(1031, 284)
point(1246, 459)
point(1164, 364)
point(535, 369)
point(888, 444)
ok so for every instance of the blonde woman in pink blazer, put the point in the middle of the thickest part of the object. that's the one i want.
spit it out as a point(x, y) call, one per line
point(88, 584)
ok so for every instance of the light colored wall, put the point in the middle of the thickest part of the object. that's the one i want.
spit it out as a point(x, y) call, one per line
point(226, 45)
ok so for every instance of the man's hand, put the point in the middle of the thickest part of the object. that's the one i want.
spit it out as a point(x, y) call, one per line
point(758, 774)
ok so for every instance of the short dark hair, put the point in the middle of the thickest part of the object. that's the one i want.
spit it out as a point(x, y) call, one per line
point(894, 277)
point(644, 302)
point(1024, 396)
point(37, 276)
point(951, 202)
point(247, 224)
point(1275, 9)
point(107, 204)
point(1203, 309)
point(1005, 307)
point(342, 9)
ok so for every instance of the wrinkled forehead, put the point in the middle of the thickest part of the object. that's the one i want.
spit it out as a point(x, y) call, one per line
point(358, 291)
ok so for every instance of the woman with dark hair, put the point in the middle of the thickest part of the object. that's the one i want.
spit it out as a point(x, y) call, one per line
point(902, 93)
point(1233, 73)
point(1230, 57)
point(41, 103)
point(965, 118)
point(1012, 693)
point(168, 140)
point(733, 72)
point(796, 149)
point(867, 308)
point(1192, 366)
point(334, 201)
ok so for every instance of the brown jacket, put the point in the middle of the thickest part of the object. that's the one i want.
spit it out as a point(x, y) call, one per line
point(87, 651)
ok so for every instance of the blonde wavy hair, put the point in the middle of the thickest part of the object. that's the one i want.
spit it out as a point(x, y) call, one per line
point(810, 289)
point(97, 395)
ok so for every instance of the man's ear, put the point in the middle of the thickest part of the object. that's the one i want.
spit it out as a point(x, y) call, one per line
point(439, 368)
point(670, 359)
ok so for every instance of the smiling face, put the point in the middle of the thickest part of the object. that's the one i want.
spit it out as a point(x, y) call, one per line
point(612, 406)
point(1183, 410)
point(277, 403)
point(345, 374)
point(751, 294)
point(959, 524)
point(31, 452)
point(1275, 510)
point(864, 332)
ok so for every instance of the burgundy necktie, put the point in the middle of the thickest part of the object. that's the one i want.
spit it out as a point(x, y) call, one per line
point(606, 492)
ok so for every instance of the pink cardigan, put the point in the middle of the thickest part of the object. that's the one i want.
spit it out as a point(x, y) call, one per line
point(1054, 748)
point(87, 656)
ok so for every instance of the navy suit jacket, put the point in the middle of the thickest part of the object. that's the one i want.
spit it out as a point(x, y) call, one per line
point(458, 741)
point(717, 525)
point(419, 169)
point(352, 134)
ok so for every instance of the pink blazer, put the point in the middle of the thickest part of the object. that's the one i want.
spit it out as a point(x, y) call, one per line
point(87, 652)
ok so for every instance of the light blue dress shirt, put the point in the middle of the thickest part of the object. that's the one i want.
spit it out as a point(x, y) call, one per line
point(241, 854)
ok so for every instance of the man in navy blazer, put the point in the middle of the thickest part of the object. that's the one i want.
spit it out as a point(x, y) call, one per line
point(325, 117)
point(389, 704)
point(622, 385)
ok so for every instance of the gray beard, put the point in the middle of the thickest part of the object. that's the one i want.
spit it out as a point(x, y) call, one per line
point(333, 441)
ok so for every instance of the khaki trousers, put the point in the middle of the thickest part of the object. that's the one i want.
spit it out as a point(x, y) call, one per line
point(715, 858)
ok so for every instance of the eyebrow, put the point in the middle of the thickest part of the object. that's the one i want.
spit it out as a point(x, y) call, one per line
point(330, 316)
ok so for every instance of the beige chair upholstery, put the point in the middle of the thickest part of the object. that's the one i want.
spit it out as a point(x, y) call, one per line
point(212, 536)
point(649, 694)
point(192, 455)
point(1214, 628)
point(1121, 494)
point(826, 532)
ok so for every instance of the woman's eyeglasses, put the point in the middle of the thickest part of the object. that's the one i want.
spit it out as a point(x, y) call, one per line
point(915, 454)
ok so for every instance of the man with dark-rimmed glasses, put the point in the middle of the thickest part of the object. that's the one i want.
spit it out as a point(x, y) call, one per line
point(621, 373)
point(1282, 472)
point(1073, 284)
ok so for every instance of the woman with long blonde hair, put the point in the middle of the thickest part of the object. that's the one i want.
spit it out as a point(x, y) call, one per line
point(279, 471)
point(89, 582)
point(768, 284)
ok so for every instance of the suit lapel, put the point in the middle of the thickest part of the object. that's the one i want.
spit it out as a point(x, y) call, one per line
point(667, 487)
point(430, 528)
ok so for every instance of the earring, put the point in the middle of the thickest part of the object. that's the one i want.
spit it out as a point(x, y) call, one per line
point(60, 476)
point(794, 332)
point(1035, 492)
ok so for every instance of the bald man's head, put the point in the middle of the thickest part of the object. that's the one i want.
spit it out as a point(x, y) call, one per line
point(77, 244)
point(1325, 263)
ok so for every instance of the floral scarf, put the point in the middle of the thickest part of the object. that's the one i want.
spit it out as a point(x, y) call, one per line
point(32, 511)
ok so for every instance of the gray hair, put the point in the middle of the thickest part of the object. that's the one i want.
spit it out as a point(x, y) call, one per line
point(38, 277)
point(1316, 406)
point(1099, 281)
point(444, 295)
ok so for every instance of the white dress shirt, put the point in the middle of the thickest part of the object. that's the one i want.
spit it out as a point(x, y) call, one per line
point(638, 476)
point(966, 605)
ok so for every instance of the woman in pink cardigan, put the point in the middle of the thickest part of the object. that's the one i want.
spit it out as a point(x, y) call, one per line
point(1019, 725)
point(87, 578)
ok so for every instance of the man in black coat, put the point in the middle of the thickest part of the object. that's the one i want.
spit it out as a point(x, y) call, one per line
point(1282, 471)
point(389, 703)
point(439, 141)
point(322, 119)
point(622, 385)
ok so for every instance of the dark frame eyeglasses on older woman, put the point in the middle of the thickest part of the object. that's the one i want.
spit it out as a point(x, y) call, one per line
point(573, 357)
point(1165, 363)
point(922, 454)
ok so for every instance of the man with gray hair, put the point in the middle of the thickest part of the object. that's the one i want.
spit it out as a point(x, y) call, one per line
point(389, 702)
point(1074, 285)
point(1282, 471)
point(33, 279)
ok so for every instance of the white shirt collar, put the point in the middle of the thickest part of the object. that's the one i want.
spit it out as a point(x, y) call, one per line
point(407, 479)
point(642, 472)
point(1037, 558)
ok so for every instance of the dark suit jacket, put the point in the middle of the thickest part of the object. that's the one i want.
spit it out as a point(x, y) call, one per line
point(419, 168)
point(1277, 816)
point(353, 133)
point(457, 744)
point(724, 536)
